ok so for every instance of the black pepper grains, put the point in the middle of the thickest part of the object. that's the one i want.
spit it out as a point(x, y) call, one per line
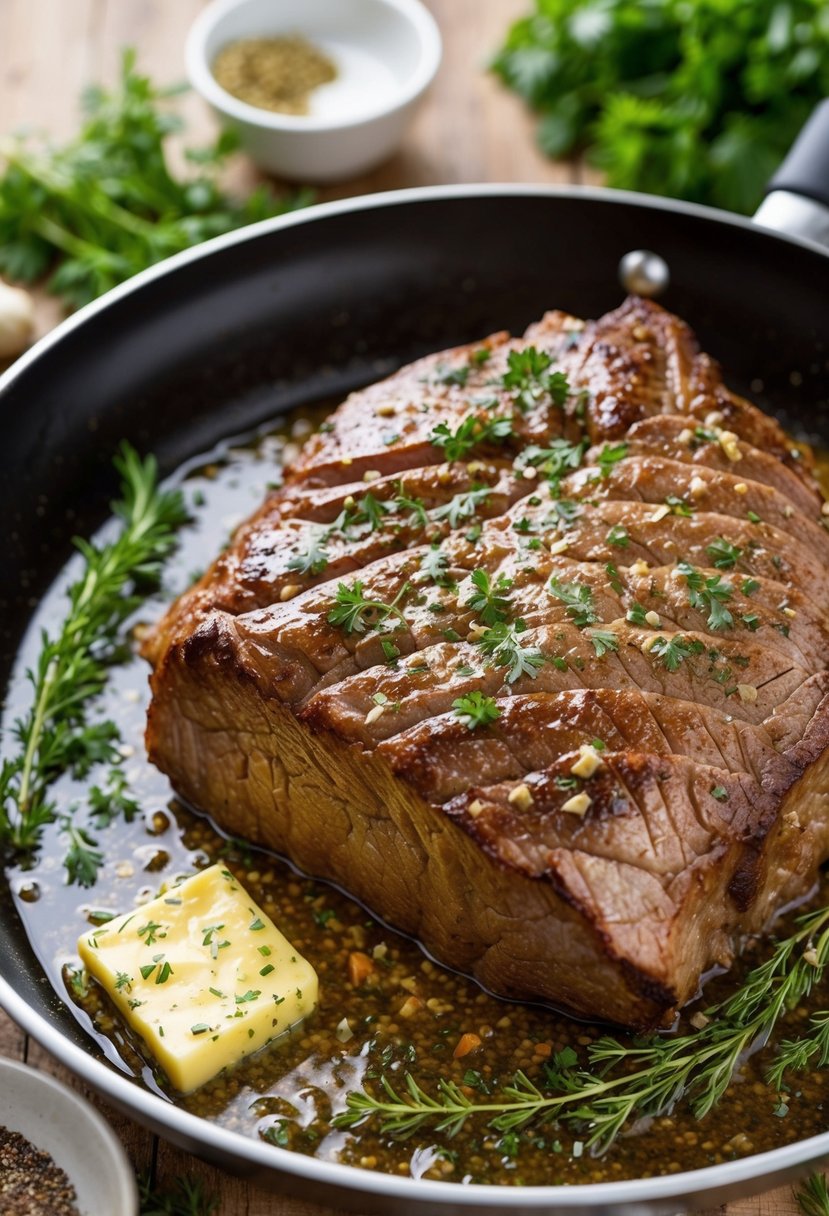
point(31, 1184)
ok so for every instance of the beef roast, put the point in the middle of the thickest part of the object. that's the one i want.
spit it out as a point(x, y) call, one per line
point(529, 654)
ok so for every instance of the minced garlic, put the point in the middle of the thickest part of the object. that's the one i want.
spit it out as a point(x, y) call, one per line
point(577, 805)
point(640, 568)
point(559, 546)
point(698, 486)
point(747, 693)
point(374, 714)
point(289, 591)
point(588, 763)
point(728, 443)
point(659, 513)
point(741, 488)
point(653, 619)
point(521, 797)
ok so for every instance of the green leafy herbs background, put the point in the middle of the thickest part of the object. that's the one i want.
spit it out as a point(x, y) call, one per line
point(106, 205)
point(697, 99)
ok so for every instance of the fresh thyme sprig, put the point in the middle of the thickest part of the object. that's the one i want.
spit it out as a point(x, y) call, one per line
point(54, 735)
point(627, 1081)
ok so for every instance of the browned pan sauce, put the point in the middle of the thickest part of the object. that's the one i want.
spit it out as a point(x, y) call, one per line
point(385, 1008)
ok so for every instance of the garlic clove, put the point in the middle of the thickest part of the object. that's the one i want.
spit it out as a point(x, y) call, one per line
point(17, 320)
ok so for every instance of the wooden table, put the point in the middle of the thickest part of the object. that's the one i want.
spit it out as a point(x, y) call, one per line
point(469, 129)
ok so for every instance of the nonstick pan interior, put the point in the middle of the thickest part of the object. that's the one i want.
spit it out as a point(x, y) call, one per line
point(311, 307)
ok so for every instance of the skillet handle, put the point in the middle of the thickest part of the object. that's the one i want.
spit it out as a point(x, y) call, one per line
point(797, 201)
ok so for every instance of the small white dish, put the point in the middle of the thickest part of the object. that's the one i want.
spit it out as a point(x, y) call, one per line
point(77, 1138)
point(386, 53)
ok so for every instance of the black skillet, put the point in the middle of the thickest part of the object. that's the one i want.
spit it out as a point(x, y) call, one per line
point(226, 336)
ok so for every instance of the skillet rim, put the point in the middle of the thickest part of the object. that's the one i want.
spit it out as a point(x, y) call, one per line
point(711, 1183)
point(368, 202)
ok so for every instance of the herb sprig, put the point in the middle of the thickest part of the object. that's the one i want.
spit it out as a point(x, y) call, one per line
point(624, 1082)
point(55, 736)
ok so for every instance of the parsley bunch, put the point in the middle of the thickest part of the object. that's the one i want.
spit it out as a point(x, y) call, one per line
point(106, 205)
point(699, 101)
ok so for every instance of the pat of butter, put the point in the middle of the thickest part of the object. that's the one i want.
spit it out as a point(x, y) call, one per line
point(202, 974)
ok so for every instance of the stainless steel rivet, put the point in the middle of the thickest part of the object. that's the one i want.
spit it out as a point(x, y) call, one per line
point(644, 273)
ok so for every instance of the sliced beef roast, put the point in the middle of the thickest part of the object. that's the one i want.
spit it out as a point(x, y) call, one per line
point(530, 655)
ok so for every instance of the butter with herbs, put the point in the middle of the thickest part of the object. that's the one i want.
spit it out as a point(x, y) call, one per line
point(202, 975)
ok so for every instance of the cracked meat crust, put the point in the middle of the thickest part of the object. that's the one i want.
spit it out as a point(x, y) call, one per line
point(628, 562)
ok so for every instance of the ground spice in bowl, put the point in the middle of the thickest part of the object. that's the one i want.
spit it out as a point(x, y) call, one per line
point(273, 73)
point(31, 1184)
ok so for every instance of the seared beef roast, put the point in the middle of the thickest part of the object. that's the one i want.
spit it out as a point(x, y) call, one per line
point(530, 655)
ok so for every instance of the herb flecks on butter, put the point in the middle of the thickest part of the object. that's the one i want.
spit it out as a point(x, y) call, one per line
point(205, 1001)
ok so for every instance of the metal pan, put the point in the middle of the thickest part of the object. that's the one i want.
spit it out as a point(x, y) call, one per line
point(311, 305)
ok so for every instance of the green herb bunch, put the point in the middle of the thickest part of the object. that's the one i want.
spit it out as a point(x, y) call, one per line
point(107, 204)
point(697, 100)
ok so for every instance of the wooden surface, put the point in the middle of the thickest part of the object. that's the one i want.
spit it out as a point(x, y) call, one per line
point(467, 130)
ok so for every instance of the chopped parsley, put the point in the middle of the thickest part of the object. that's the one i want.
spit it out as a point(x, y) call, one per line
point(462, 506)
point(679, 506)
point(313, 559)
point(674, 651)
point(503, 644)
point(709, 595)
point(415, 506)
point(618, 535)
point(578, 600)
point(610, 455)
point(469, 433)
point(604, 641)
point(723, 553)
point(489, 602)
point(528, 375)
point(367, 514)
point(451, 375)
point(553, 462)
point(434, 564)
point(353, 613)
point(474, 710)
point(636, 614)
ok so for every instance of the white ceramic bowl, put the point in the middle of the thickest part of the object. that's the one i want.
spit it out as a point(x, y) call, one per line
point(63, 1123)
point(386, 53)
